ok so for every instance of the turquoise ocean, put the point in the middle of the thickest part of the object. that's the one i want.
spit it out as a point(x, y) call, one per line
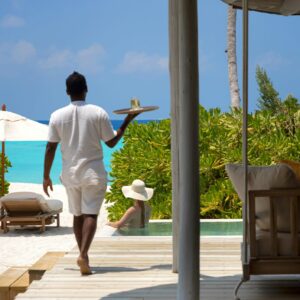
point(27, 159)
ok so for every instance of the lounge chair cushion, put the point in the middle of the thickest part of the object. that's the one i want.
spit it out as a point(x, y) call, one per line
point(52, 205)
point(22, 196)
point(265, 178)
point(284, 245)
point(46, 205)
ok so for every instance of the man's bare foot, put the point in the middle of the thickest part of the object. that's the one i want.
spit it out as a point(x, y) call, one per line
point(83, 264)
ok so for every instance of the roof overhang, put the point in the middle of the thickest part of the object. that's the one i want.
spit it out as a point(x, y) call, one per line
point(280, 7)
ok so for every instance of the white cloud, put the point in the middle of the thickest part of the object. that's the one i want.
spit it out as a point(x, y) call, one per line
point(11, 21)
point(142, 62)
point(58, 59)
point(17, 53)
point(86, 60)
point(272, 60)
point(23, 52)
point(90, 59)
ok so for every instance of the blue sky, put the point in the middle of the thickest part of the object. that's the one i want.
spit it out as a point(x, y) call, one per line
point(122, 48)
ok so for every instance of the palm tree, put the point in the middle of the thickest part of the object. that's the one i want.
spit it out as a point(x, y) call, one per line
point(231, 54)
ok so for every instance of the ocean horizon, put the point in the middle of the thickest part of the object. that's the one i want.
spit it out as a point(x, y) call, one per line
point(116, 123)
point(27, 158)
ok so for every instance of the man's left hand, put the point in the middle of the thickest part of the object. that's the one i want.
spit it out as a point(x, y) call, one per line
point(47, 183)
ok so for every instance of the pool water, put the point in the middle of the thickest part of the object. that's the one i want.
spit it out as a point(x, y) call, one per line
point(206, 229)
point(29, 156)
point(27, 159)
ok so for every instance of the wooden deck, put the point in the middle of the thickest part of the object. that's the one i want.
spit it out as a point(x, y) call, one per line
point(139, 268)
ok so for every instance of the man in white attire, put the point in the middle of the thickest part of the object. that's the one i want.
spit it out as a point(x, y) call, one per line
point(79, 127)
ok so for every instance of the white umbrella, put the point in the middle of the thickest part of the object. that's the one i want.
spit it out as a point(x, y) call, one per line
point(282, 7)
point(14, 127)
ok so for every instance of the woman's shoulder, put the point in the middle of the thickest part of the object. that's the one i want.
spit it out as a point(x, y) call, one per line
point(133, 209)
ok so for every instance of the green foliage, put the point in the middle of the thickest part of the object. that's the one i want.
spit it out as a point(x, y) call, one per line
point(273, 134)
point(145, 155)
point(285, 110)
point(7, 165)
point(269, 97)
point(221, 143)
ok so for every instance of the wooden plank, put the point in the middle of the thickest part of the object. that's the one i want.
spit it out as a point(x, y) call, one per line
point(291, 192)
point(19, 286)
point(46, 262)
point(121, 274)
point(252, 225)
point(294, 202)
point(9, 277)
point(273, 228)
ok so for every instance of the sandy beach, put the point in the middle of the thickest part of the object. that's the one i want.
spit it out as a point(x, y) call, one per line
point(24, 246)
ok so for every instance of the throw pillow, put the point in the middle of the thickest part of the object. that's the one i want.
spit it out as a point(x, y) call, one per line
point(264, 178)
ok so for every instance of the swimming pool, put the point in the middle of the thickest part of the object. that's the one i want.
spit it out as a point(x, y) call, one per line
point(207, 228)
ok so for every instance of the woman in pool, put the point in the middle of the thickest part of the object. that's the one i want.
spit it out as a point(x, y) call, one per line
point(138, 215)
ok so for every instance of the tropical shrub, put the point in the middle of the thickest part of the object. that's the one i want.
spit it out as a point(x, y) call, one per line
point(7, 165)
point(273, 134)
point(269, 141)
point(286, 110)
point(145, 155)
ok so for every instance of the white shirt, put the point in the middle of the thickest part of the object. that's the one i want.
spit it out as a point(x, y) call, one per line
point(80, 127)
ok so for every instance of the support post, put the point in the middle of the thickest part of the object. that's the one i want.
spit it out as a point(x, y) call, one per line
point(174, 84)
point(3, 161)
point(244, 248)
point(188, 285)
point(245, 128)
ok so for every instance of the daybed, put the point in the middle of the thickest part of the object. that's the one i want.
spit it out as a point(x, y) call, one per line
point(272, 240)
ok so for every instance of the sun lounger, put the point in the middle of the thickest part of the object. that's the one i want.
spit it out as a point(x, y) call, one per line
point(27, 208)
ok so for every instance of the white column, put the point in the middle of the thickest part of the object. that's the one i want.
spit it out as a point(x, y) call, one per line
point(188, 286)
point(174, 83)
point(245, 130)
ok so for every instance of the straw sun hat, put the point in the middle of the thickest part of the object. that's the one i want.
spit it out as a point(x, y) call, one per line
point(137, 191)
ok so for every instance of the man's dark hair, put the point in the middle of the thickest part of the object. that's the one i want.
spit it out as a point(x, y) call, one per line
point(76, 84)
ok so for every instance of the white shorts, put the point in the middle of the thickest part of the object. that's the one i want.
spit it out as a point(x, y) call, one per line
point(86, 199)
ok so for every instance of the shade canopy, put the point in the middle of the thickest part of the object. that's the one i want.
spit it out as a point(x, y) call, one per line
point(281, 7)
point(14, 127)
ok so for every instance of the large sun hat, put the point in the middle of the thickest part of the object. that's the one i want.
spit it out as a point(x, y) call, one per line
point(135, 108)
point(138, 191)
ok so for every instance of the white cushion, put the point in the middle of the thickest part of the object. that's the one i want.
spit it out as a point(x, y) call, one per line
point(23, 196)
point(46, 205)
point(265, 178)
point(52, 206)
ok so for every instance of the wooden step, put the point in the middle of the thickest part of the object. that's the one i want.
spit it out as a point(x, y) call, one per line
point(7, 279)
point(19, 286)
point(45, 263)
